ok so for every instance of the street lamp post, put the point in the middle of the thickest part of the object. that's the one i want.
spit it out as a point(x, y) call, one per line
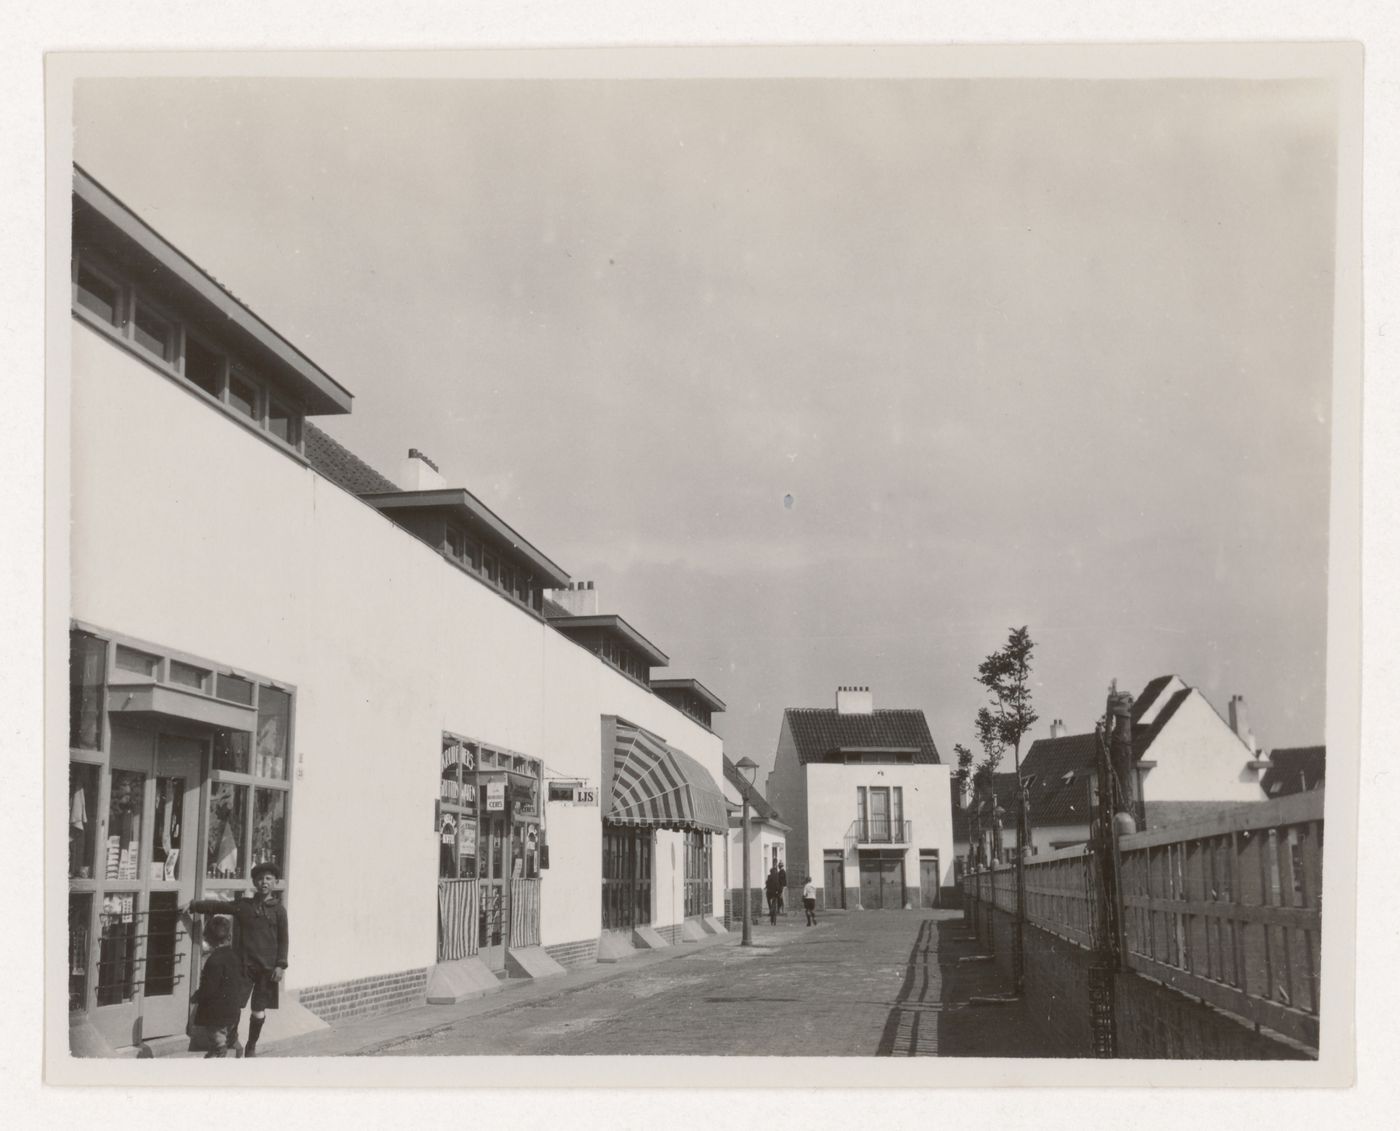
point(747, 768)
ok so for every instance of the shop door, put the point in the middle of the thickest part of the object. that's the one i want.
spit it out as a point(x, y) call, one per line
point(928, 880)
point(892, 883)
point(870, 887)
point(494, 894)
point(834, 882)
point(146, 873)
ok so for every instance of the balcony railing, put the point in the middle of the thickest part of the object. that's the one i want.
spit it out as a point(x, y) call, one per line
point(879, 830)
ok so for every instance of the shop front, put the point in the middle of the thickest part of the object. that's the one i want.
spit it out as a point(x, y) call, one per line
point(650, 786)
point(178, 785)
point(491, 850)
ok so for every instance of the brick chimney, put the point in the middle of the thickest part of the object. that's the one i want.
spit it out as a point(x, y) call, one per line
point(419, 473)
point(580, 598)
point(1239, 721)
point(855, 701)
point(1057, 728)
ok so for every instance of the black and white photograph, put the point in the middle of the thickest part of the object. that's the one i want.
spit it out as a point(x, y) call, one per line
point(703, 555)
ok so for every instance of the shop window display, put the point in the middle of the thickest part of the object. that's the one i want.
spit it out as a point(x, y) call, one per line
point(79, 917)
point(270, 827)
point(116, 952)
point(231, 750)
point(274, 725)
point(168, 836)
point(225, 850)
point(82, 818)
point(124, 807)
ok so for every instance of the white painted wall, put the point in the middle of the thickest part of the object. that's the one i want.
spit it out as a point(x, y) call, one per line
point(831, 807)
point(1199, 758)
point(787, 792)
point(762, 840)
point(191, 533)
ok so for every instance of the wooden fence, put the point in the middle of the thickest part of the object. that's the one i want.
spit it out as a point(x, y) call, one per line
point(1228, 909)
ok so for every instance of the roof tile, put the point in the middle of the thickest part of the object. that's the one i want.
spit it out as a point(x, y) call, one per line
point(818, 731)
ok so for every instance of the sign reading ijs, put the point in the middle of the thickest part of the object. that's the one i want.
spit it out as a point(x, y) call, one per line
point(573, 793)
point(495, 796)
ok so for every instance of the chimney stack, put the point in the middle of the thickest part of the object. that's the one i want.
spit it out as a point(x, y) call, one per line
point(855, 701)
point(580, 598)
point(1057, 728)
point(1239, 721)
point(419, 473)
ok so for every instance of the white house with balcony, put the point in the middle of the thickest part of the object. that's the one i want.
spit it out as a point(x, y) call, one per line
point(868, 801)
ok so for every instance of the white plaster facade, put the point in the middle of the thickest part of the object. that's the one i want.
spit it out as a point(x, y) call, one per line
point(194, 534)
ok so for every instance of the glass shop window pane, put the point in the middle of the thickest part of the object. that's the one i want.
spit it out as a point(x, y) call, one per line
point(79, 935)
point(226, 853)
point(163, 933)
point(152, 332)
point(137, 663)
point(235, 689)
point(87, 669)
point(187, 675)
point(124, 810)
point(270, 827)
point(274, 727)
point(82, 819)
point(203, 366)
point(231, 749)
point(243, 395)
point(98, 295)
point(281, 421)
point(116, 951)
point(169, 830)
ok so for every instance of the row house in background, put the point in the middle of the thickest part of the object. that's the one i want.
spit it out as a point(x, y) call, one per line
point(869, 803)
point(768, 834)
point(1190, 762)
point(278, 653)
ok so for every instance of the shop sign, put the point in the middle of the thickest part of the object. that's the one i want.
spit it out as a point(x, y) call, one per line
point(573, 793)
point(495, 796)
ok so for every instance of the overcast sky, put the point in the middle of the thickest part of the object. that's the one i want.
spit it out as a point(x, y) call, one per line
point(822, 381)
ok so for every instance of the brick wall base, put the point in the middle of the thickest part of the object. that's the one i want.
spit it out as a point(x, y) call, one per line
point(361, 997)
point(571, 954)
point(1154, 1021)
point(673, 933)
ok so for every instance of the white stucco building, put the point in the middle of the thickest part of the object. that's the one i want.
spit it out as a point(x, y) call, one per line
point(277, 653)
point(1185, 751)
point(767, 840)
point(868, 801)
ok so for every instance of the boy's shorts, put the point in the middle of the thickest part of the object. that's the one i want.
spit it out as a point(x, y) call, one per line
point(810, 904)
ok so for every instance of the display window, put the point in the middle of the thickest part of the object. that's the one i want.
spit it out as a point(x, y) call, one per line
point(135, 789)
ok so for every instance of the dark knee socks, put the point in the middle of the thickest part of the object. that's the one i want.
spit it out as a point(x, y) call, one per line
point(255, 1025)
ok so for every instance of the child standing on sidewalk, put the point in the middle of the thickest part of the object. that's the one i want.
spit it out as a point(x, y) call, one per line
point(221, 993)
point(809, 900)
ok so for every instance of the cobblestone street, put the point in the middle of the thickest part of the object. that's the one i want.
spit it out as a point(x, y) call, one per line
point(858, 984)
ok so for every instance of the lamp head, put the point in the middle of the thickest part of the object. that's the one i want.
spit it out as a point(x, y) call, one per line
point(747, 768)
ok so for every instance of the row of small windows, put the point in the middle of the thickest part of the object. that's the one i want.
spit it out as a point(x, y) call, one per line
point(625, 660)
point(516, 583)
point(132, 316)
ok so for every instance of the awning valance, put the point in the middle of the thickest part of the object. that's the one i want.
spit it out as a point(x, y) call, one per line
point(657, 786)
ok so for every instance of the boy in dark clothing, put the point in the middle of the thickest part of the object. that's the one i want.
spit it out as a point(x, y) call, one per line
point(259, 941)
point(221, 994)
point(782, 889)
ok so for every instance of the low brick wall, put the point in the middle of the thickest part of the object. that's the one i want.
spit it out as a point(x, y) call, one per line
point(361, 997)
point(1155, 1022)
point(673, 934)
point(571, 954)
point(733, 901)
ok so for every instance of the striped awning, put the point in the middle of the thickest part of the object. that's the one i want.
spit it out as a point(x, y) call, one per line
point(657, 786)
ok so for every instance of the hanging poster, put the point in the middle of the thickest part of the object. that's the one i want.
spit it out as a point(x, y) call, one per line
point(495, 797)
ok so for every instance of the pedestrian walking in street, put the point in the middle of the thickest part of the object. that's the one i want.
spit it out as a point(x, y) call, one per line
point(221, 994)
point(772, 888)
point(809, 901)
point(259, 942)
point(782, 889)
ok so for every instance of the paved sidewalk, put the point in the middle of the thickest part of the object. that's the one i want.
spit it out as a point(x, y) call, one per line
point(857, 984)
